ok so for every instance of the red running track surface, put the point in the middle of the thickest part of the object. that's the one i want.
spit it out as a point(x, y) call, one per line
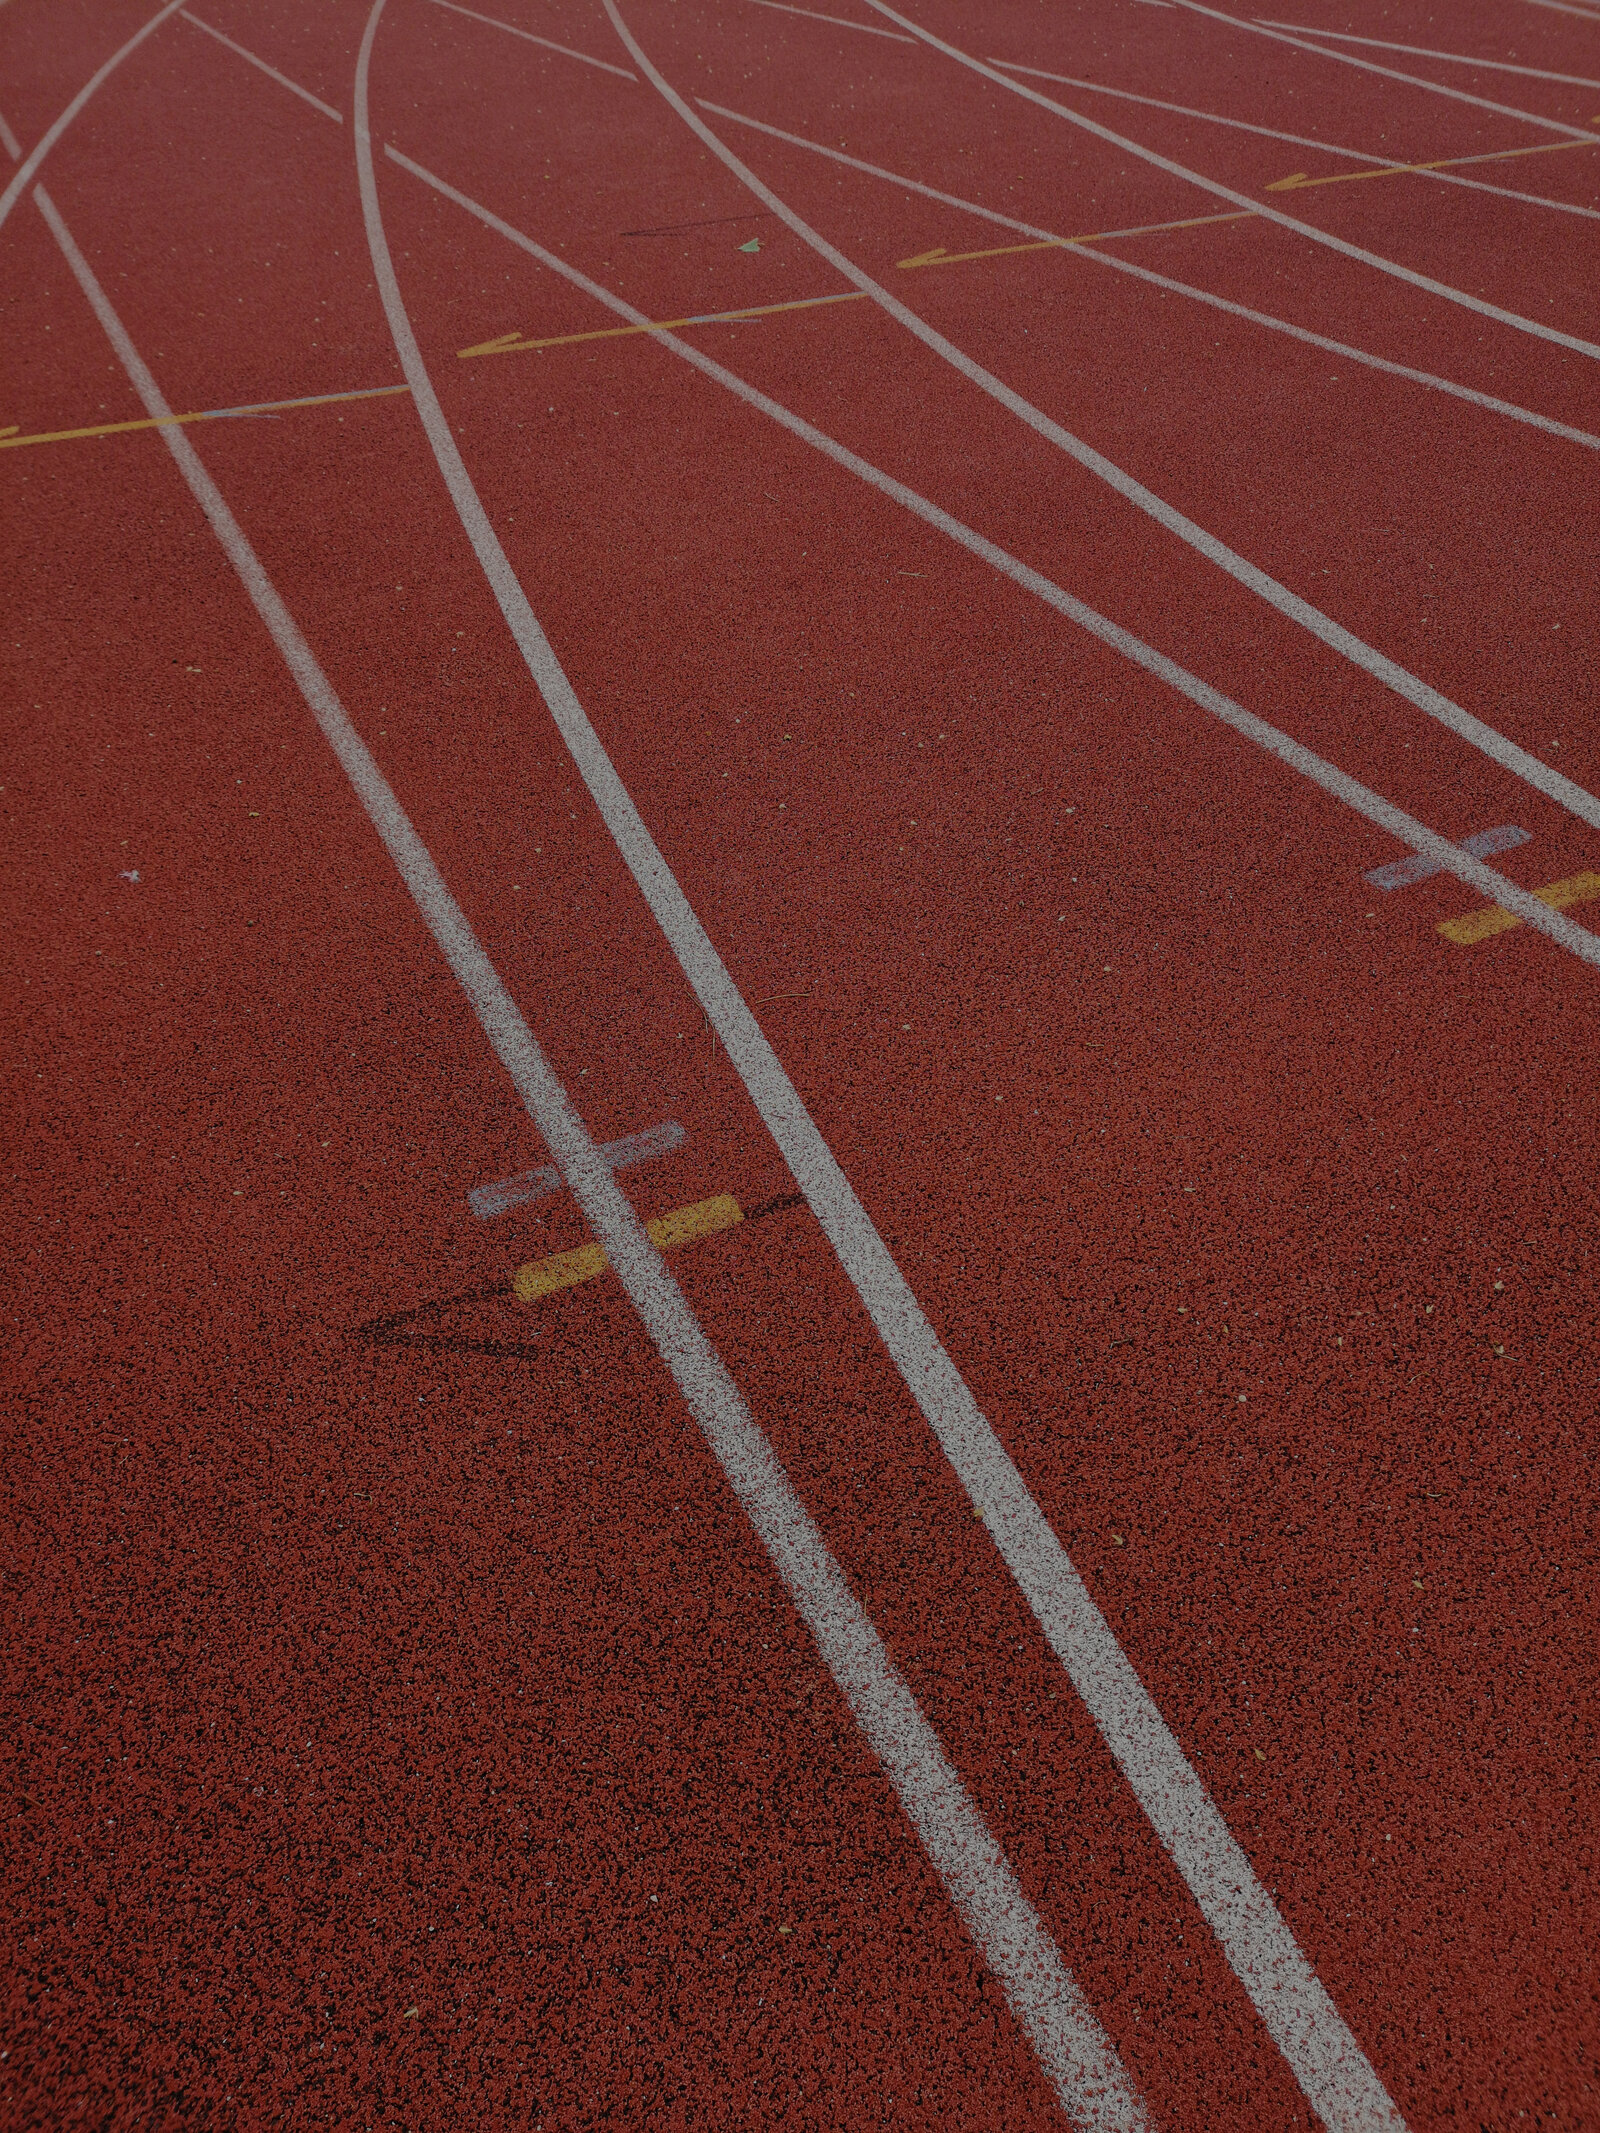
point(405, 1722)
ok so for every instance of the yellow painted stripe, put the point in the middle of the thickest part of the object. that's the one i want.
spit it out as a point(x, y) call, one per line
point(1483, 925)
point(1301, 183)
point(210, 414)
point(703, 1219)
point(513, 343)
point(563, 1270)
point(939, 257)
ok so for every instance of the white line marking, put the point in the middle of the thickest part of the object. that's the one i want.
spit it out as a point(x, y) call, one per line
point(1300, 140)
point(1370, 66)
point(20, 179)
point(1401, 873)
point(1290, 1998)
point(1584, 14)
point(13, 146)
point(1418, 51)
point(327, 110)
point(499, 1197)
point(565, 50)
point(1073, 2050)
point(1333, 780)
point(1256, 207)
point(869, 29)
point(1361, 654)
point(1079, 2058)
point(1164, 281)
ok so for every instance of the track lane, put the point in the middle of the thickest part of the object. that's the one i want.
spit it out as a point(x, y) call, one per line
point(1442, 461)
point(59, 2071)
point(602, 619)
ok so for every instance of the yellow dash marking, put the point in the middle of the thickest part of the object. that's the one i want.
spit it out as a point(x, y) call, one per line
point(563, 1270)
point(9, 439)
point(10, 429)
point(1301, 183)
point(1483, 925)
point(513, 344)
point(939, 257)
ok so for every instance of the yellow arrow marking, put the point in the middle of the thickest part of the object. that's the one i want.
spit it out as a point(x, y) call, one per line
point(9, 440)
point(939, 257)
point(511, 344)
point(494, 347)
point(1300, 182)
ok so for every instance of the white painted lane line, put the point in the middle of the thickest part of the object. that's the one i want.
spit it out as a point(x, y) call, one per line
point(1236, 1905)
point(327, 110)
point(1371, 66)
point(1087, 250)
point(30, 163)
point(528, 37)
point(1078, 2058)
point(689, 942)
point(648, 1146)
point(1292, 2002)
point(1268, 214)
point(1585, 14)
point(1083, 2066)
point(1418, 51)
point(1300, 140)
point(1462, 723)
point(870, 29)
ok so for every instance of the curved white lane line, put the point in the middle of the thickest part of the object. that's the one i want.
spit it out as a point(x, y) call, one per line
point(1293, 2004)
point(1564, 931)
point(283, 80)
point(1083, 2066)
point(1468, 302)
point(1371, 66)
point(871, 29)
point(1328, 776)
point(1078, 2058)
point(1419, 51)
point(1300, 140)
point(1585, 805)
point(1086, 249)
point(36, 155)
point(528, 37)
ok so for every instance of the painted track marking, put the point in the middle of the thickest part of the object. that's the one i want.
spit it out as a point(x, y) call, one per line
point(210, 414)
point(684, 1225)
point(21, 177)
point(502, 1194)
point(869, 29)
point(1483, 925)
point(1086, 248)
point(1417, 51)
point(528, 37)
point(1484, 844)
point(1371, 66)
point(1293, 2002)
point(327, 110)
point(1075, 2052)
point(1300, 140)
point(680, 925)
point(1301, 182)
point(514, 344)
point(1220, 191)
point(1462, 723)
